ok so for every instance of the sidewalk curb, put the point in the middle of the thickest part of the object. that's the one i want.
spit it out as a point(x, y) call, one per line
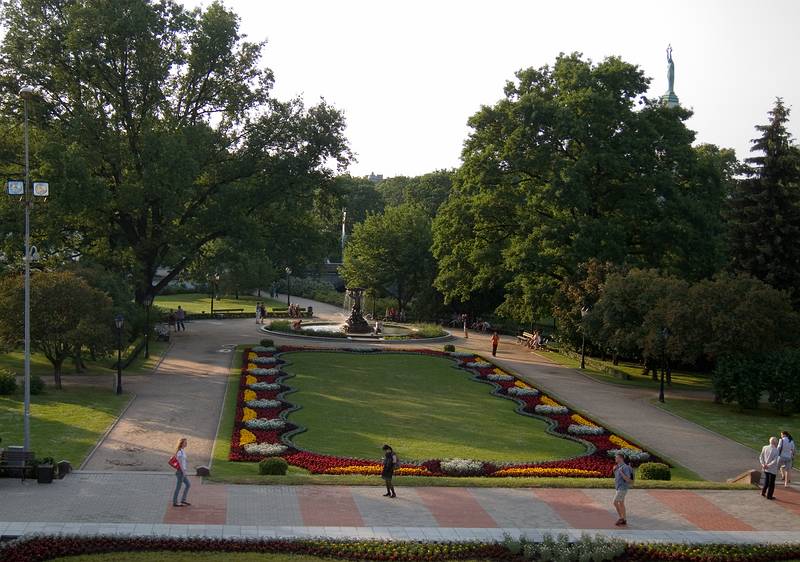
point(108, 431)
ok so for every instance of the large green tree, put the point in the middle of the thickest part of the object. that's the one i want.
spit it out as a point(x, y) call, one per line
point(390, 253)
point(572, 164)
point(157, 130)
point(428, 190)
point(764, 212)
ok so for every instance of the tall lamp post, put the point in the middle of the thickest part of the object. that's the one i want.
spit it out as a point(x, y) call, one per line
point(584, 313)
point(214, 281)
point(119, 321)
point(288, 287)
point(665, 334)
point(148, 302)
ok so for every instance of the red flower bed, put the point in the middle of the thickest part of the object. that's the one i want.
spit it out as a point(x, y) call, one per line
point(597, 463)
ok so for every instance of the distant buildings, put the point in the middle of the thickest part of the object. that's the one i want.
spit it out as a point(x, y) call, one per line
point(375, 178)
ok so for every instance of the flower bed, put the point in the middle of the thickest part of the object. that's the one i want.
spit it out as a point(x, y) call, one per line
point(261, 428)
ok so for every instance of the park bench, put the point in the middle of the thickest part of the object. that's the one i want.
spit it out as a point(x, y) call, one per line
point(162, 332)
point(16, 462)
point(221, 312)
point(525, 338)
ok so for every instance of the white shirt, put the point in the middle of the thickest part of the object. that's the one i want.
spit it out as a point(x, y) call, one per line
point(181, 456)
point(769, 459)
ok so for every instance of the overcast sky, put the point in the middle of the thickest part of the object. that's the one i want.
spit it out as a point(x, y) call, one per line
point(408, 74)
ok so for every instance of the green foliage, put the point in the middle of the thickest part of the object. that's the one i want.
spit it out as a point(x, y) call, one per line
point(37, 384)
point(314, 289)
point(428, 331)
point(782, 371)
point(654, 471)
point(390, 253)
point(764, 212)
point(744, 380)
point(66, 314)
point(449, 347)
point(562, 549)
point(566, 168)
point(429, 190)
point(8, 381)
point(273, 465)
point(266, 342)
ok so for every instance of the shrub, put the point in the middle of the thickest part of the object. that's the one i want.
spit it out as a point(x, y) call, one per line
point(37, 384)
point(266, 342)
point(428, 331)
point(462, 467)
point(739, 380)
point(654, 471)
point(8, 381)
point(780, 369)
point(586, 548)
point(449, 347)
point(273, 465)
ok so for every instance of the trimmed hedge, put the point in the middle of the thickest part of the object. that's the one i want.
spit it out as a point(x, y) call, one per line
point(449, 347)
point(8, 382)
point(654, 471)
point(266, 342)
point(273, 466)
point(37, 384)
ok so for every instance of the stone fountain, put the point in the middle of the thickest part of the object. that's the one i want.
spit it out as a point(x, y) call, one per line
point(355, 323)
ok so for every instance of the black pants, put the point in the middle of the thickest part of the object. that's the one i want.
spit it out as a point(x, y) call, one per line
point(494, 350)
point(769, 484)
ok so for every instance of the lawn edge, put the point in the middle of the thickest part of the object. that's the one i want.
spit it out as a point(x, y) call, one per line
point(108, 430)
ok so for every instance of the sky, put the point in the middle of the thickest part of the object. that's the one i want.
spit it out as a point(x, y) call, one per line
point(408, 75)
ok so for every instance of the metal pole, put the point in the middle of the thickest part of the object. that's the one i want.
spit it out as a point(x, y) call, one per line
point(288, 290)
point(147, 331)
point(661, 387)
point(26, 415)
point(583, 350)
point(119, 360)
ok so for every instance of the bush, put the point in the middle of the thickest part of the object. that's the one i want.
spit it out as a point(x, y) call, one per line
point(428, 331)
point(266, 342)
point(273, 465)
point(37, 384)
point(780, 369)
point(448, 347)
point(740, 380)
point(561, 549)
point(8, 381)
point(654, 471)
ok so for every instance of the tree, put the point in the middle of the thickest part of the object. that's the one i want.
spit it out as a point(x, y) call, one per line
point(66, 314)
point(391, 252)
point(158, 132)
point(764, 212)
point(572, 164)
point(429, 190)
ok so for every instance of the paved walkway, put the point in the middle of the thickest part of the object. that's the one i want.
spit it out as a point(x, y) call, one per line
point(140, 503)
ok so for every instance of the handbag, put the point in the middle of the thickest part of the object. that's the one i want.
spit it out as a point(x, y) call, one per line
point(173, 462)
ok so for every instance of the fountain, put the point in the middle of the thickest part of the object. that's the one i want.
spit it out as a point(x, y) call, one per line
point(355, 323)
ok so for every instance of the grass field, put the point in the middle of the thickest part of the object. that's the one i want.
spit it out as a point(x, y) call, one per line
point(41, 366)
point(352, 404)
point(680, 379)
point(65, 424)
point(196, 303)
point(749, 427)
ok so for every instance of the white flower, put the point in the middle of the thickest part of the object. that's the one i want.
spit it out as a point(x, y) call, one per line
point(632, 454)
point(499, 377)
point(265, 423)
point(264, 360)
point(517, 391)
point(263, 403)
point(266, 449)
point(545, 409)
point(264, 386)
point(461, 354)
point(462, 467)
point(264, 372)
point(578, 429)
point(478, 364)
point(262, 349)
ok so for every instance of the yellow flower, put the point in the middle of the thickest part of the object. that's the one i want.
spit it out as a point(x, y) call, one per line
point(251, 356)
point(248, 414)
point(548, 401)
point(250, 379)
point(543, 471)
point(249, 395)
point(520, 384)
point(251, 366)
point(580, 420)
point(375, 470)
point(622, 444)
point(246, 437)
point(499, 371)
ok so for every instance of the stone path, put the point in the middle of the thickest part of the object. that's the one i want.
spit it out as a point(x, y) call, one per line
point(140, 503)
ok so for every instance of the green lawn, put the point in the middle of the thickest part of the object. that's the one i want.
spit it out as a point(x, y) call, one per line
point(196, 303)
point(65, 424)
point(353, 403)
point(105, 366)
point(749, 427)
point(680, 379)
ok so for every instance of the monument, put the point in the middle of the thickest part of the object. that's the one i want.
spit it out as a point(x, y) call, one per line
point(355, 323)
point(670, 99)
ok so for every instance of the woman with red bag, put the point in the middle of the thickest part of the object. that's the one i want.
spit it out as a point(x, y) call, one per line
point(179, 463)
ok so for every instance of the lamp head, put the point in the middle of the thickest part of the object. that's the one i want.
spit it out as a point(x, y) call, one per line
point(27, 92)
point(288, 271)
point(119, 320)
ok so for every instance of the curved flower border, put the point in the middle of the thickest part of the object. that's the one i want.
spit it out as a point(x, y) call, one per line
point(261, 426)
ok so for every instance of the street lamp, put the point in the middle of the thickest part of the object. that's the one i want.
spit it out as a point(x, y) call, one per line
point(288, 287)
point(148, 302)
point(584, 313)
point(119, 321)
point(665, 334)
point(214, 279)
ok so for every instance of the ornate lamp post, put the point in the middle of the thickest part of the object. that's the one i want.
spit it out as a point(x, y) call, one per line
point(665, 334)
point(214, 281)
point(288, 287)
point(584, 313)
point(148, 302)
point(119, 321)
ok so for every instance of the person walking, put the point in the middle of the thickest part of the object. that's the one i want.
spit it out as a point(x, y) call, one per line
point(769, 458)
point(464, 321)
point(390, 462)
point(623, 477)
point(172, 320)
point(180, 316)
point(786, 452)
point(180, 474)
point(263, 313)
point(495, 341)
point(258, 313)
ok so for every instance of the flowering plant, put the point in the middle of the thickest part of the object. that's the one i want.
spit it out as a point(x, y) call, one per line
point(262, 349)
point(263, 403)
point(264, 360)
point(545, 409)
point(497, 378)
point(517, 391)
point(636, 455)
point(478, 365)
point(260, 372)
point(264, 386)
point(264, 423)
point(461, 354)
point(461, 467)
point(578, 429)
point(266, 449)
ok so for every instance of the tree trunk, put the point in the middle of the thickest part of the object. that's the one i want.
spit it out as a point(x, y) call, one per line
point(57, 373)
point(615, 359)
point(77, 360)
point(653, 369)
point(669, 373)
